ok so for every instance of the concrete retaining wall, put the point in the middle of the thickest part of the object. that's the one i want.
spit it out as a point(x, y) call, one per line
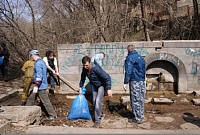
point(184, 55)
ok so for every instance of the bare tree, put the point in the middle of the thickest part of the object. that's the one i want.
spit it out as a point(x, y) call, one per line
point(144, 18)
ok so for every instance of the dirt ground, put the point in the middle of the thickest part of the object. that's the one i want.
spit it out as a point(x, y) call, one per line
point(180, 111)
point(116, 115)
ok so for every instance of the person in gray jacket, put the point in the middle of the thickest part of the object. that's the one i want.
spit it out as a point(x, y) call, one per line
point(98, 58)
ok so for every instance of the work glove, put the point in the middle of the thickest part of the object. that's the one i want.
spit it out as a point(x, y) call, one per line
point(35, 89)
point(125, 87)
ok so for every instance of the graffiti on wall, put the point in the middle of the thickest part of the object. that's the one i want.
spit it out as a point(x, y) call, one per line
point(113, 62)
point(194, 66)
point(163, 56)
point(72, 59)
point(195, 71)
point(192, 52)
point(114, 82)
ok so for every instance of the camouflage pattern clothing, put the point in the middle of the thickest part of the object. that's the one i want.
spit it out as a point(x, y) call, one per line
point(137, 98)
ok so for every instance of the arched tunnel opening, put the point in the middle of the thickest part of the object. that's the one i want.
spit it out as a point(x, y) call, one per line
point(162, 77)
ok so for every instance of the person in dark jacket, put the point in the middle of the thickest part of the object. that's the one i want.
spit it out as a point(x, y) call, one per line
point(4, 53)
point(52, 68)
point(100, 81)
point(135, 76)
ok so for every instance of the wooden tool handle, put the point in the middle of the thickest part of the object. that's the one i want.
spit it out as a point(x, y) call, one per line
point(69, 82)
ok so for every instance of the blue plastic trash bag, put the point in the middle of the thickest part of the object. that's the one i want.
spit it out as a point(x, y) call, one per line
point(1, 61)
point(80, 108)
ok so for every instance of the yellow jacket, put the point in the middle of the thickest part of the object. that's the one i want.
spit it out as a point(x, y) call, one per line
point(28, 68)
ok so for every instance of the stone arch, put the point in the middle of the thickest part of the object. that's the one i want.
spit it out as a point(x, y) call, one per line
point(182, 75)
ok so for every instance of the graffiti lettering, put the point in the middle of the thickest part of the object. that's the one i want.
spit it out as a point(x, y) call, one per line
point(114, 82)
point(112, 63)
point(163, 56)
point(195, 67)
point(192, 52)
point(142, 52)
point(72, 58)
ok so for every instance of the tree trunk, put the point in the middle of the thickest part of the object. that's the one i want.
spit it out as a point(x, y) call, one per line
point(196, 13)
point(33, 19)
point(143, 10)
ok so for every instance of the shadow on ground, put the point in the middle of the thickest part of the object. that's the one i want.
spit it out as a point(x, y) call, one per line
point(188, 117)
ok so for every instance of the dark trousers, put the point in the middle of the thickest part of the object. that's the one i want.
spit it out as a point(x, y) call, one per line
point(51, 78)
point(4, 71)
point(45, 100)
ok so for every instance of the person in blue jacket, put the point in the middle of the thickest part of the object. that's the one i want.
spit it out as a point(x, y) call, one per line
point(135, 76)
point(40, 85)
point(100, 81)
point(4, 54)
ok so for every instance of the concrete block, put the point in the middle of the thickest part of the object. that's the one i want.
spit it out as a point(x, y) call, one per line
point(152, 87)
point(166, 86)
point(162, 101)
point(4, 126)
point(3, 97)
point(195, 93)
point(19, 90)
point(184, 100)
point(164, 119)
point(14, 114)
point(9, 89)
point(13, 93)
point(189, 126)
point(148, 100)
point(9, 117)
point(196, 101)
